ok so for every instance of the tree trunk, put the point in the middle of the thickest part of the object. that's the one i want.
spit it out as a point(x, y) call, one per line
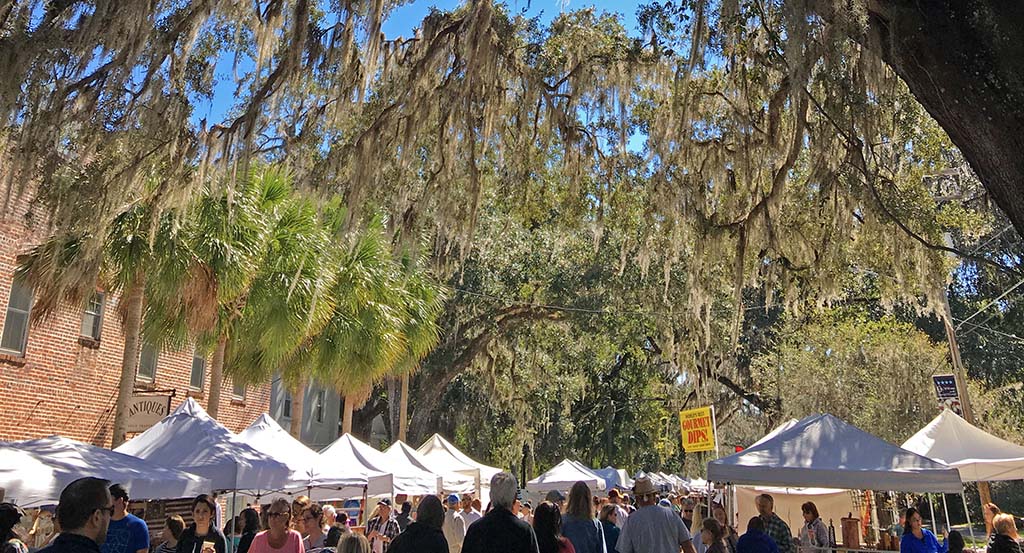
point(403, 410)
point(217, 377)
point(393, 401)
point(346, 420)
point(298, 408)
point(134, 299)
point(964, 62)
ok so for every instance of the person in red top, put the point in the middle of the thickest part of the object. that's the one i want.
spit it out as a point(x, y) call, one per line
point(547, 524)
point(280, 538)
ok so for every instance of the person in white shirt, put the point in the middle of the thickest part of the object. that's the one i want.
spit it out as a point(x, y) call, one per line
point(454, 526)
point(620, 513)
point(469, 514)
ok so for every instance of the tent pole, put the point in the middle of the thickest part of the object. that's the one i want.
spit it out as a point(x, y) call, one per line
point(967, 512)
point(949, 524)
point(234, 507)
point(931, 507)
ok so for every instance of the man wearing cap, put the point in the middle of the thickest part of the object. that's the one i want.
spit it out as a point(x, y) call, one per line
point(688, 512)
point(454, 526)
point(382, 528)
point(499, 531)
point(653, 529)
point(127, 533)
point(84, 513)
point(620, 513)
point(556, 497)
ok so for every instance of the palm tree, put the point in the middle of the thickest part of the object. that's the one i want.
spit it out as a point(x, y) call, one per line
point(67, 269)
point(383, 323)
point(254, 249)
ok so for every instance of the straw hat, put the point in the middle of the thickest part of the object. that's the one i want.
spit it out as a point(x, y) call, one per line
point(644, 486)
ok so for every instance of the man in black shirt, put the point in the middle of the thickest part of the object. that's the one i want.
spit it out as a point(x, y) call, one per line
point(499, 531)
point(84, 513)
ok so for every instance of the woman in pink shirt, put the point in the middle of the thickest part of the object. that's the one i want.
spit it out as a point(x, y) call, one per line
point(280, 538)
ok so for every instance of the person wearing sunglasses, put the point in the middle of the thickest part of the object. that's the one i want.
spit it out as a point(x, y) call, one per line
point(84, 513)
point(279, 538)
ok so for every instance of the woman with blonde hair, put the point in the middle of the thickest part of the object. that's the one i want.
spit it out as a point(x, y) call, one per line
point(579, 525)
point(989, 511)
point(354, 543)
point(279, 538)
point(1004, 535)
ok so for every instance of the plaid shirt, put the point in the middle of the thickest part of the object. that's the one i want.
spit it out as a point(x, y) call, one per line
point(779, 531)
point(388, 528)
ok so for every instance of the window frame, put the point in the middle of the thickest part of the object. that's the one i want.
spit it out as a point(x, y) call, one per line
point(27, 313)
point(319, 405)
point(147, 378)
point(286, 405)
point(97, 322)
point(192, 372)
point(234, 390)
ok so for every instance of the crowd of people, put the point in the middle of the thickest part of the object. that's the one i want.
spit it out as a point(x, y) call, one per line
point(92, 517)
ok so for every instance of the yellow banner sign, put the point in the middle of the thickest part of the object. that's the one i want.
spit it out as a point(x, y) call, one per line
point(697, 429)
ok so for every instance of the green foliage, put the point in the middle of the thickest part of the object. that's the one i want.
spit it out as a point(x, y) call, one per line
point(872, 372)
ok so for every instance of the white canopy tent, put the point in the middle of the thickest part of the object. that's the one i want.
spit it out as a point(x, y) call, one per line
point(614, 478)
point(659, 482)
point(402, 453)
point(776, 431)
point(385, 477)
point(562, 477)
point(831, 503)
point(34, 472)
point(979, 456)
point(824, 451)
point(307, 469)
point(442, 453)
point(189, 440)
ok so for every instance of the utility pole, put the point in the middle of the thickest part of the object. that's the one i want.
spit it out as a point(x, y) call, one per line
point(984, 490)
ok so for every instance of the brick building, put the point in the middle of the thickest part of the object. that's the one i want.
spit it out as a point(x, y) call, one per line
point(60, 376)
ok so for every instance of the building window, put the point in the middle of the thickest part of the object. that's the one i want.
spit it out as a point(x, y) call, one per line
point(286, 409)
point(92, 319)
point(238, 390)
point(19, 307)
point(148, 358)
point(318, 405)
point(198, 375)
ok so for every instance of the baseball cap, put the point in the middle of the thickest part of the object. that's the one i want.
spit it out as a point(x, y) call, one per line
point(384, 501)
point(452, 499)
point(554, 496)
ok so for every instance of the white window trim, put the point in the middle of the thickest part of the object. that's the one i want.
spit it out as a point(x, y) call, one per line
point(191, 369)
point(99, 316)
point(28, 321)
point(156, 366)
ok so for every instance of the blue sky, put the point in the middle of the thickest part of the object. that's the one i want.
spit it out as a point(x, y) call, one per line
point(402, 22)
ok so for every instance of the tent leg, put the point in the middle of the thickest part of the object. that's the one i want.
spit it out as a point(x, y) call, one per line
point(946, 510)
point(967, 512)
point(931, 507)
point(234, 507)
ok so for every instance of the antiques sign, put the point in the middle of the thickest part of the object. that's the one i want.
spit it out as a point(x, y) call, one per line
point(146, 410)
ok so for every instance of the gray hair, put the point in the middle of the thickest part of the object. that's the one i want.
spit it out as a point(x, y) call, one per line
point(329, 510)
point(504, 489)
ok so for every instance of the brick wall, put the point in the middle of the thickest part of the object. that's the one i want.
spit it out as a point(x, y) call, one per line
point(67, 385)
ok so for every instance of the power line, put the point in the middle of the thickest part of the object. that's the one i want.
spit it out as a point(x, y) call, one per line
point(991, 303)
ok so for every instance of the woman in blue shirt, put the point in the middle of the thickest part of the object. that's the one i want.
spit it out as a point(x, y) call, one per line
point(917, 539)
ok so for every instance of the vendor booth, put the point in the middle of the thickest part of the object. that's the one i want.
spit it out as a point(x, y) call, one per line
point(402, 454)
point(441, 453)
point(34, 472)
point(384, 476)
point(308, 471)
point(562, 476)
point(822, 451)
point(189, 440)
point(979, 456)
